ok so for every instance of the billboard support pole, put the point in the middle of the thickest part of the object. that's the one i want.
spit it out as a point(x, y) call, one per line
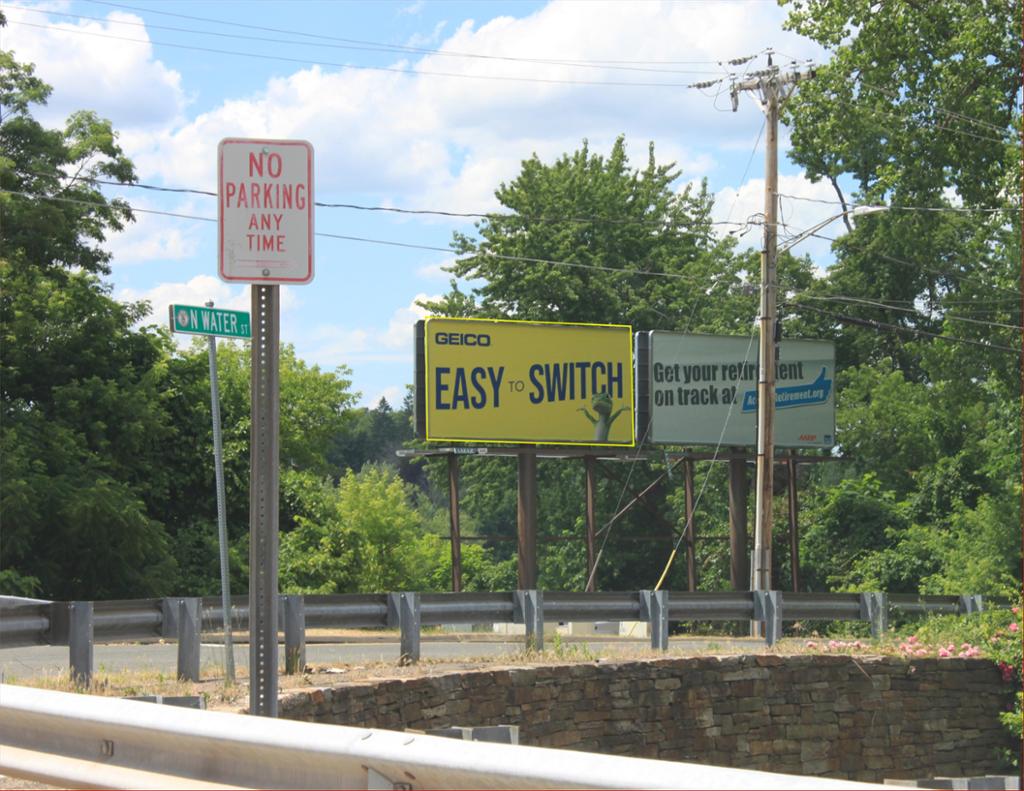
point(739, 573)
point(794, 538)
point(590, 463)
point(691, 547)
point(526, 518)
point(453, 513)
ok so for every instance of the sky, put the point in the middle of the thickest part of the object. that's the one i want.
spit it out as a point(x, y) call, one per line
point(426, 105)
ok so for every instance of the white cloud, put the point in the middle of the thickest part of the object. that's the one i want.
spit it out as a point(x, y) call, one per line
point(394, 394)
point(118, 79)
point(436, 271)
point(197, 291)
point(412, 9)
point(447, 142)
point(420, 40)
point(156, 237)
point(337, 345)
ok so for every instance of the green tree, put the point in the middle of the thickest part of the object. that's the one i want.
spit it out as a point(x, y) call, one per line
point(915, 98)
point(373, 436)
point(634, 250)
point(376, 533)
point(315, 408)
point(81, 392)
point(919, 105)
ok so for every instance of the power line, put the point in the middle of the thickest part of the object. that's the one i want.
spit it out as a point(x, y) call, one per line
point(893, 94)
point(308, 62)
point(95, 205)
point(410, 49)
point(397, 210)
point(360, 46)
point(914, 311)
point(930, 270)
point(921, 103)
point(879, 113)
point(880, 325)
point(415, 246)
point(998, 300)
point(530, 218)
point(950, 209)
point(391, 243)
point(885, 114)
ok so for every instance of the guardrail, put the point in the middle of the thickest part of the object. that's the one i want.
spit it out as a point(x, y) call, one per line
point(73, 740)
point(79, 625)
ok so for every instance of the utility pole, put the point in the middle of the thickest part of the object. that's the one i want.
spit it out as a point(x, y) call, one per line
point(772, 89)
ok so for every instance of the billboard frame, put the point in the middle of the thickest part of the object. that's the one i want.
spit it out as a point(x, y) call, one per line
point(421, 413)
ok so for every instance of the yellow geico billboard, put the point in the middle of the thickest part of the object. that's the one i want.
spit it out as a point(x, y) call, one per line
point(484, 380)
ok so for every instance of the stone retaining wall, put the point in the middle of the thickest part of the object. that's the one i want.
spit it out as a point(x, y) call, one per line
point(864, 718)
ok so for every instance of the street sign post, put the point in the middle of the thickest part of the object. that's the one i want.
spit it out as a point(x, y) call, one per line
point(265, 211)
point(211, 322)
point(195, 320)
point(265, 208)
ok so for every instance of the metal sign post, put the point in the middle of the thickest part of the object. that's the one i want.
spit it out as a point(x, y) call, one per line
point(263, 503)
point(266, 216)
point(194, 320)
point(222, 519)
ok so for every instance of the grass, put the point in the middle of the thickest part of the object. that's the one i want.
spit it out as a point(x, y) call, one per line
point(558, 650)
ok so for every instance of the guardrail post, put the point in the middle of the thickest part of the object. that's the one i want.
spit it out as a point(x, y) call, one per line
point(169, 621)
point(874, 607)
point(655, 606)
point(80, 642)
point(404, 611)
point(529, 610)
point(970, 604)
point(188, 639)
point(768, 610)
point(294, 634)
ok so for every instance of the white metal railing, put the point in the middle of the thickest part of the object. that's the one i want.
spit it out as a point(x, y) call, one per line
point(75, 740)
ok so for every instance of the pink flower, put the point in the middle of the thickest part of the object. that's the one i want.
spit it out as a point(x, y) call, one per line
point(1012, 627)
point(974, 651)
point(965, 646)
point(1015, 610)
point(811, 644)
point(944, 652)
point(921, 652)
point(912, 639)
point(858, 644)
point(905, 648)
point(832, 644)
point(1007, 671)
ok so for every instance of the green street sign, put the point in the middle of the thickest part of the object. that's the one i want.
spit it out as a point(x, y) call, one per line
point(195, 320)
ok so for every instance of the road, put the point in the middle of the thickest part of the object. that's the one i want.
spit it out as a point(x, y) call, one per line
point(36, 661)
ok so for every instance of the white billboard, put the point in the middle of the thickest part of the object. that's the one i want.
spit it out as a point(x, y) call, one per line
point(702, 390)
point(265, 197)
